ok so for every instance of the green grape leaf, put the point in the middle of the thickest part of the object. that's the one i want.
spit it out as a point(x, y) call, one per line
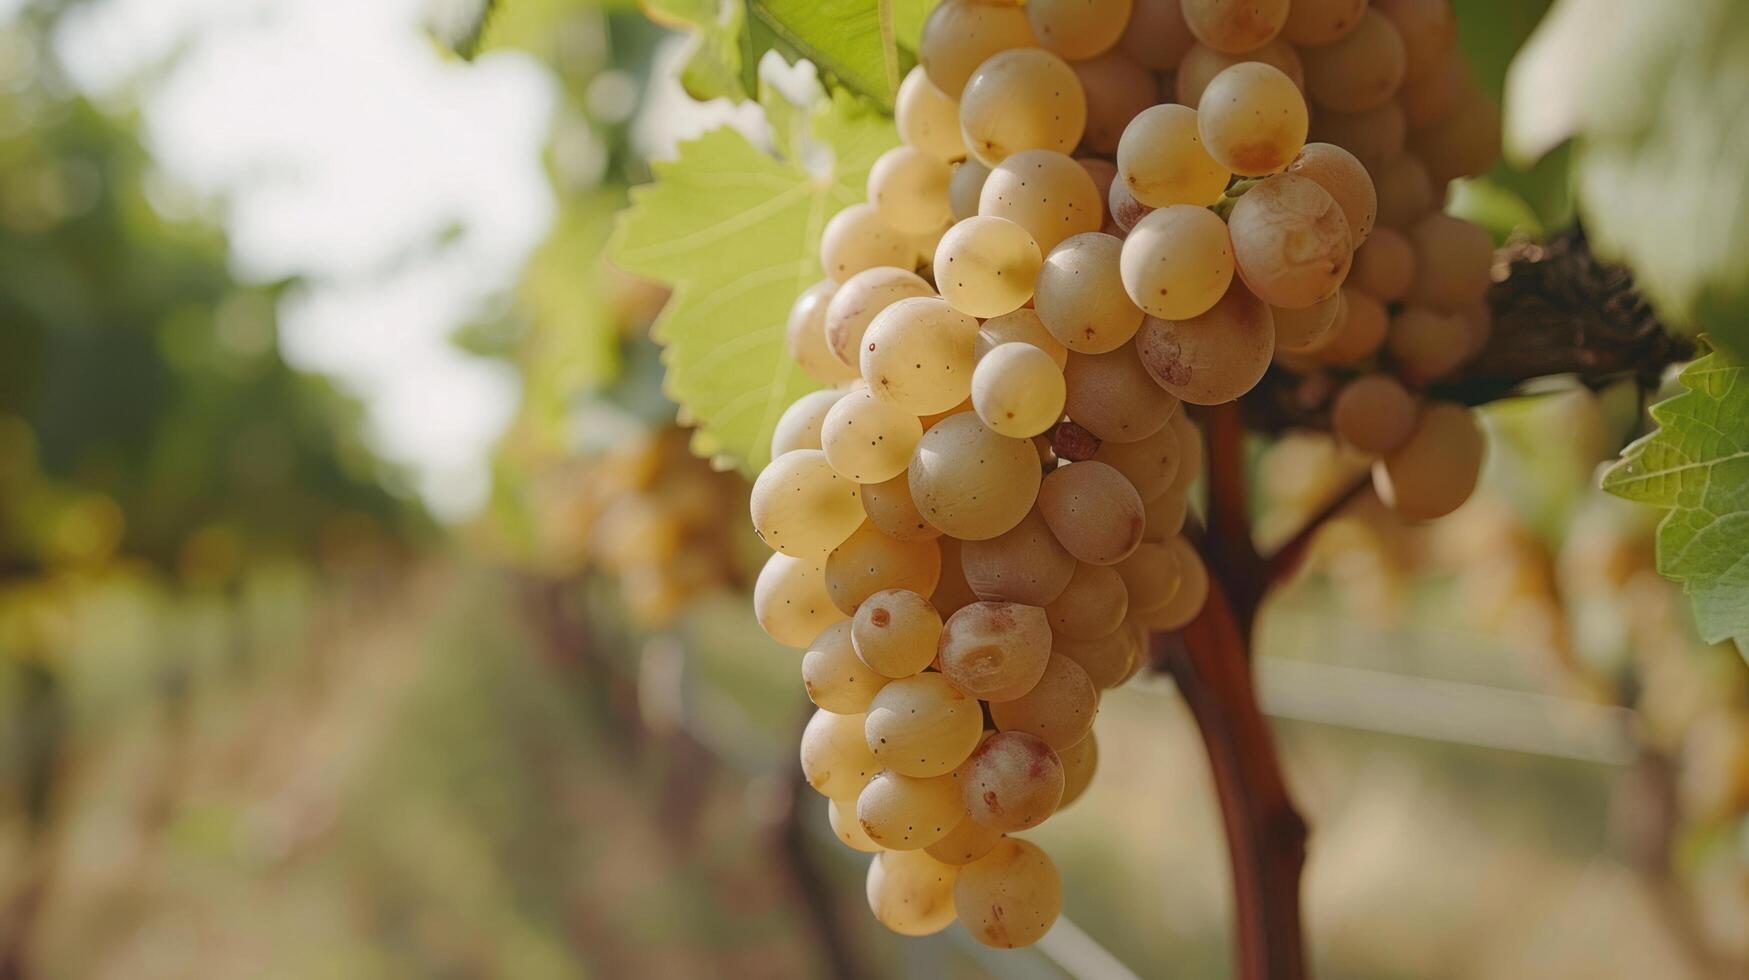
point(1655, 99)
point(865, 46)
point(714, 66)
point(851, 41)
point(1697, 464)
point(735, 232)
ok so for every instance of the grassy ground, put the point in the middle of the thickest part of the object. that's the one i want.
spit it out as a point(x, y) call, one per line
point(421, 777)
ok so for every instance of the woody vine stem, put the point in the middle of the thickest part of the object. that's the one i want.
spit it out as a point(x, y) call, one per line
point(1557, 310)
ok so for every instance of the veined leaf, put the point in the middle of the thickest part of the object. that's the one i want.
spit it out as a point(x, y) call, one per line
point(714, 67)
point(865, 46)
point(736, 232)
point(1697, 464)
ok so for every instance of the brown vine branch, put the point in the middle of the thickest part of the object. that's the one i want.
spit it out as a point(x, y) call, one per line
point(1557, 310)
point(1266, 837)
point(1231, 554)
point(1286, 559)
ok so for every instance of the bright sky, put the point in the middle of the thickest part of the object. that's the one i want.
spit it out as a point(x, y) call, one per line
point(339, 142)
point(336, 144)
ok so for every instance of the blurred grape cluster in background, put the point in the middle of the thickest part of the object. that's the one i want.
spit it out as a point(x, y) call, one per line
point(365, 613)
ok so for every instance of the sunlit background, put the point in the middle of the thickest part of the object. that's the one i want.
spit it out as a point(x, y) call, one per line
point(364, 614)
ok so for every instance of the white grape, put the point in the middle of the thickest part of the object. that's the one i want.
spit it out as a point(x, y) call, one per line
point(802, 507)
point(960, 35)
point(841, 817)
point(895, 632)
point(1341, 174)
point(1018, 390)
point(1202, 63)
point(1118, 89)
point(1059, 709)
point(805, 335)
point(965, 187)
point(908, 813)
point(1012, 782)
point(1252, 119)
point(1177, 261)
point(1026, 564)
point(1092, 605)
point(1113, 396)
point(1047, 193)
point(922, 726)
point(1150, 464)
point(856, 303)
point(857, 238)
point(835, 756)
point(971, 481)
point(1162, 159)
point(996, 651)
point(834, 677)
point(1078, 29)
point(919, 353)
point(1235, 26)
point(1359, 71)
point(1022, 99)
point(868, 438)
point(986, 266)
point(1373, 413)
point(889, 507)
point(1192, 593)
point(1157, 36)
point(790, 600)
point(1094, 511)
point(1434, 471)
point(1009, 897)
point(1213, 357)
point(1305, 329)
point(1290, 241)
point(928, 118)
point(1080, 297)
point(1314, 22)
point(1022, 326)
point(870, 563)
point(799, 425)
point(908, 188)
point(911, 893)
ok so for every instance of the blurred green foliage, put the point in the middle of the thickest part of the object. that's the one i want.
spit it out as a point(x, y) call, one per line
point(145, 410)
point(1652, 103)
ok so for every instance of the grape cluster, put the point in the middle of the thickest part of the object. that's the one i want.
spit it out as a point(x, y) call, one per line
point(1100, 210)
point(648, 513)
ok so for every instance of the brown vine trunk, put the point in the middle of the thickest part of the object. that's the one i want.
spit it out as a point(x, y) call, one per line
point(1210, 660)
point(1266, 838)
point(1558, 310)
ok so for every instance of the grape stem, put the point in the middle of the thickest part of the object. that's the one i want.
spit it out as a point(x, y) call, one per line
point(1558, 310)
point(1210, 661)
point(1231, 555)
point(1286, 559)
point(1266, 837)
